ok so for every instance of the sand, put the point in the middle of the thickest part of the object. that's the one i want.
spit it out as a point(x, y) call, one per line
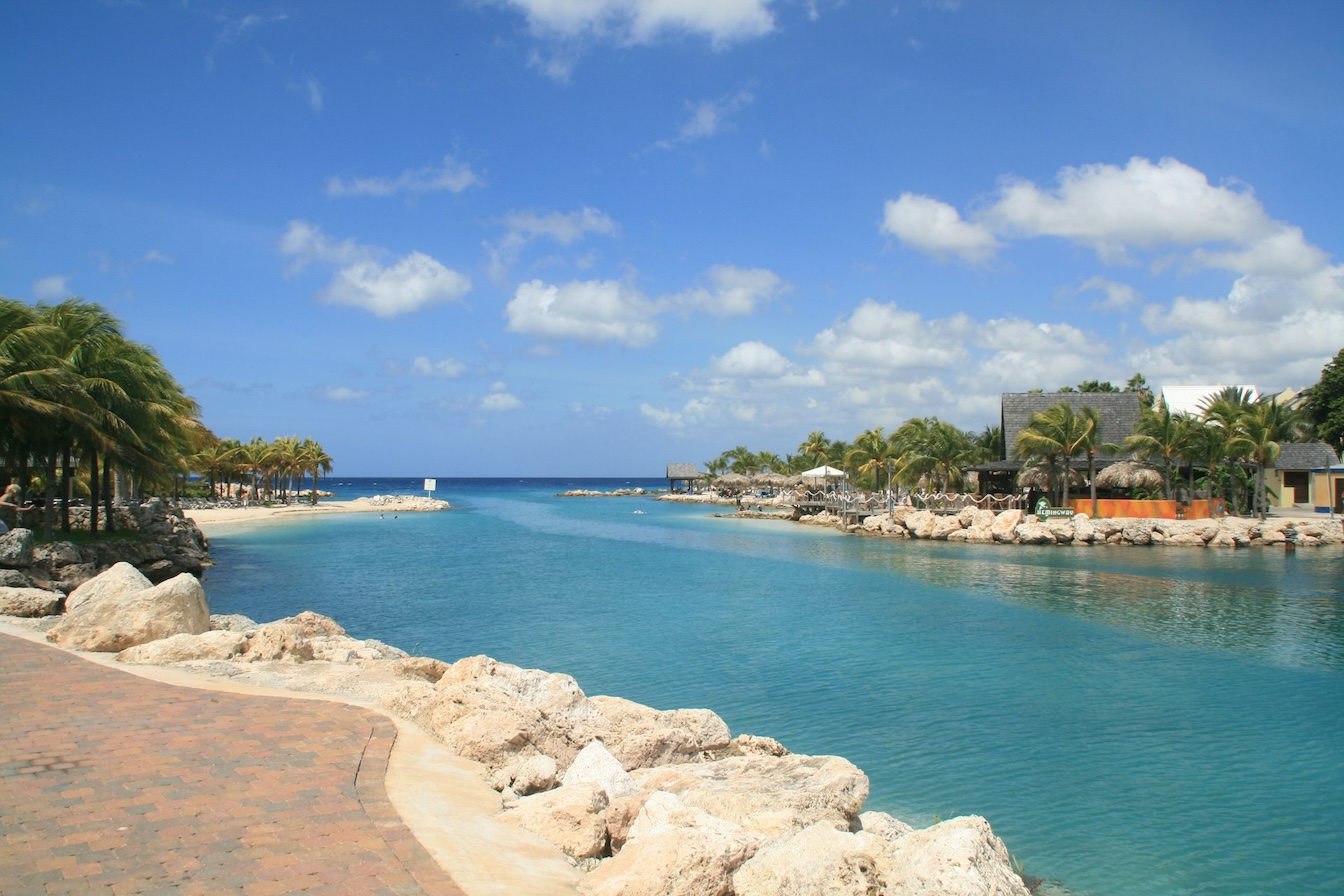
point(216, 518)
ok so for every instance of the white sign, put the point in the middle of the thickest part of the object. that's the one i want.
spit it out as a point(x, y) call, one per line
point(431, 484)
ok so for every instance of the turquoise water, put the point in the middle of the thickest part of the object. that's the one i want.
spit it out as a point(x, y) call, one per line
point(1132, 721)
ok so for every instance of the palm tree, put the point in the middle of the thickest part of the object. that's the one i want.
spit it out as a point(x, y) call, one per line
point(314, 461)
point(1159, 436)
point(932, 448)
point(1058, 433)
point(1224, 409)
point(869, 457)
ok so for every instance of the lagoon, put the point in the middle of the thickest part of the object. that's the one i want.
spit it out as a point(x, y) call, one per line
point(1131, 721)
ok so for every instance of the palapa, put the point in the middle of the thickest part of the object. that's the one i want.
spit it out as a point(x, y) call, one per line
point(1130, 474)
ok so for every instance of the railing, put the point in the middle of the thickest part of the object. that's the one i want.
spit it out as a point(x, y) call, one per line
point(861, 504)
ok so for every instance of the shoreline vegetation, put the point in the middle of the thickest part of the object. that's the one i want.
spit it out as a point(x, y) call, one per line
point(591, 794)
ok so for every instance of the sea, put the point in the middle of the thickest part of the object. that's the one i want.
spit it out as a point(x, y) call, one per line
point(1132, 721)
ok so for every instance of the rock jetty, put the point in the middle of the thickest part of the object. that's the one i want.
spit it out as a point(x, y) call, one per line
point(1017, 527)
point(645, 801)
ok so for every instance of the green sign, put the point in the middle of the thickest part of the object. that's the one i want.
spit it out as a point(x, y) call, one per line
point(1045, 511)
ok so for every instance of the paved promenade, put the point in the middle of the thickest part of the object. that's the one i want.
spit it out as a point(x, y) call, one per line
point(112, 783)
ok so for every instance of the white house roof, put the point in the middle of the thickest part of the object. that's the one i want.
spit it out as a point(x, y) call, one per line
point(1187, 399)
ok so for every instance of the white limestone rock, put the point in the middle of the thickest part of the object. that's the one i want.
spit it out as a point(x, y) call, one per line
point(818, 860)
point(114, 620)
point(673, 850)
point(772, 797)
point(959, 857)
point(642, 737)
point(573, 817)
point(116, 581)
point(211, 645)
point(277, 641)
point(30, 602)
point(596, 765)
point(1004, 529)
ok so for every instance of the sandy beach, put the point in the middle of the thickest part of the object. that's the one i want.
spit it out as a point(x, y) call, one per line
point(215, 518)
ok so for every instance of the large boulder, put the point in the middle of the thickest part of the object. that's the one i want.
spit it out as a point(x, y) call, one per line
point(819, 859)
point(116, 583)
point(211, 645)
point(573, 817)
point(1005, 525)
point(641, 737)
point(16, 548)
point(673, 850)
point(495, 713)
point(117, 620)
point(959, 857)
point(596, 765)
point(770, 796)
point(31, 602)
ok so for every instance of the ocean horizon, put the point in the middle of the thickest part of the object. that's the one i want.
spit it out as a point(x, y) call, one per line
point(1132, 721)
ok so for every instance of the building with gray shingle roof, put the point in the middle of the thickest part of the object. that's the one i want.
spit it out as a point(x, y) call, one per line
point(1119, 413)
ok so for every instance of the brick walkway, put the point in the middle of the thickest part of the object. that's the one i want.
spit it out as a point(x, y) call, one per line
point(116, 784)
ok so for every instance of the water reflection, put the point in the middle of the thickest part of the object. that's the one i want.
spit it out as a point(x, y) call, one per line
point(1285, 609)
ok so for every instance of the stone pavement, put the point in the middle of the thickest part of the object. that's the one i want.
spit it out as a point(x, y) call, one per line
point(111, 783)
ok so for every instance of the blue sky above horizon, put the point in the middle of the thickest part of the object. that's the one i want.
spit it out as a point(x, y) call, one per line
point(591, 237)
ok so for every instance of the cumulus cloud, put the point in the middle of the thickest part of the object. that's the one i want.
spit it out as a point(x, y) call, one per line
point(593, 311)
point(1280, 315)
point(452, 175)
point(500, 399)
point(884, 338)
point(729, 292)
point(408, 284)
point(936, 228)
point(523, 227)
point(642, 21)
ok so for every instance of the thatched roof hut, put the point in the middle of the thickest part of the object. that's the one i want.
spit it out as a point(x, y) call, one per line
point(1130, 474)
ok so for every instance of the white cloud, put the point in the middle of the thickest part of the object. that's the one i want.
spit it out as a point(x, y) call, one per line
point(310, 89)
point(344, 394)
point(452, 175)
point(53, 288)
point(751, 359)
point(306, 244)
point(937, 228)
point(642, 21)
point(731, 291)
point(444, 368)
point(500, 399)
point(594, 311)
point(1117, 296)
point(884, 339)
point(412, 283)
point(693, 413)
point(707, 118)
point(522, 228)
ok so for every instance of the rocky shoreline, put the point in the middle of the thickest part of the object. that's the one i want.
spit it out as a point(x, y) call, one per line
point(644, 801)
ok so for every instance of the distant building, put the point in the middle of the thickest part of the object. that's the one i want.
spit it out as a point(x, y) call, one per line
point(1191, 399)
point(1301, 476)
point(683, 473)
point(1119, 413)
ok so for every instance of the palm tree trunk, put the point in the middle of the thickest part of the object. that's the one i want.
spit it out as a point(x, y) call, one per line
point(49, 512)
point(1092, 480)
point(109, 524)
point(66, 476)
point(93, 492)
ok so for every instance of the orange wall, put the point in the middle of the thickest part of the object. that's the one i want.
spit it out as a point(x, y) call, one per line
point(1158, 510)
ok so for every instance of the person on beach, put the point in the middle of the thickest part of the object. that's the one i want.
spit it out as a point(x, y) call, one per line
point(9, 500)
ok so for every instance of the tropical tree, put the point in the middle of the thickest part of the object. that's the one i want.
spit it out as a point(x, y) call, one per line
point(1159, 437)
point(1056, 435)
point(868, 457)
point(932, 448)
point(1257, 438)
point(1224, 410)
point(314, 461)
point(1325, 403)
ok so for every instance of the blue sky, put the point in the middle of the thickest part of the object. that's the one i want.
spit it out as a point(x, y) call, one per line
point(591, 237)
